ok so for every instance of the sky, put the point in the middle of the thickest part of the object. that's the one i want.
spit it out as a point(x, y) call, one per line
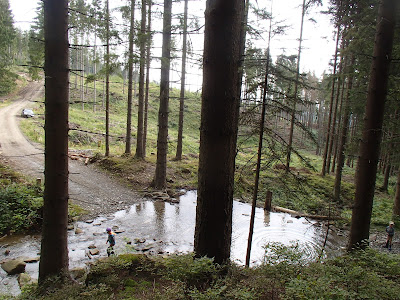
point(318, 43)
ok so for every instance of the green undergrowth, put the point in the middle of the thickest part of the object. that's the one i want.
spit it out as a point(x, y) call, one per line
point(363, 274)
point(21, 203)
point(20, 208)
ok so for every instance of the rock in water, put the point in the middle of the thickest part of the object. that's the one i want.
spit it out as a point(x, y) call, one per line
point(14, 266)
point(24, 279)
point(94, 251)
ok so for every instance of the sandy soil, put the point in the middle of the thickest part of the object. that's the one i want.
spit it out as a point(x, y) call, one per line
point(88, 187)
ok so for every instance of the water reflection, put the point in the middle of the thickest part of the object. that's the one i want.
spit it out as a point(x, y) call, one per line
point(161, 227)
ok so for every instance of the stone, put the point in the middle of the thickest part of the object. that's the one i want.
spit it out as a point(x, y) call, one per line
point(94, 251)
point(13, 266)
point(70, 227)
point(30, 260)
point(92, 247)
point(77, 273)
point(24, 279)
point(7, 252)
point(89, 221)
point(78, 231)
point(118, 231)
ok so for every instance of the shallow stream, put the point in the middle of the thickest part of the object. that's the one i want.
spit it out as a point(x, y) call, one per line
point(157, 227)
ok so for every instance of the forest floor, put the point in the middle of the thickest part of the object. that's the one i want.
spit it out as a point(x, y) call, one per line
point(96, 191)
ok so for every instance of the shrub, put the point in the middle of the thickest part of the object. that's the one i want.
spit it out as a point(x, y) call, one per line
point(364, 274)
point(193, 272)
point(19, 208)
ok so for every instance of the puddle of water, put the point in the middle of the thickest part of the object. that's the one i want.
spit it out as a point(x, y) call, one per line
point(161, 228)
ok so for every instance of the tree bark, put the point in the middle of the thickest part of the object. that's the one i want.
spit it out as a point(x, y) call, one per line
point(142, 39)
point(343, 136)
point(95, 67)
point(218, 129)
point(372, 132)
point(148, 62)
point(54, 246)
point(328, 133)
point(386, 177)
point(336, 147)
point(160, 178)
point(396, 207)
point(107, 153)
point(130, 80)
point(178, 155)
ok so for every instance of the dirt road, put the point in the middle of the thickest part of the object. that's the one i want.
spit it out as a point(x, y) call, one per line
point(88, 187)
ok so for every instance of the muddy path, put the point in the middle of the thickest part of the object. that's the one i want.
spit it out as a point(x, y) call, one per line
point(91, 189)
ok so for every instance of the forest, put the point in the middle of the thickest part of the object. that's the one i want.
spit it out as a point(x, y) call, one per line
point(122, 86)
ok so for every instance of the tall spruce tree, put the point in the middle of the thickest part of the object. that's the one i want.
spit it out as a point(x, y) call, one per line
point(142, 64)
point(160, 177)
point(54, 246)
point(372, 131)
point(218, 129)
point(36, 44)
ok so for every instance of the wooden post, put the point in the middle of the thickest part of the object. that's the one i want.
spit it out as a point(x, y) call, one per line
point(268, 201)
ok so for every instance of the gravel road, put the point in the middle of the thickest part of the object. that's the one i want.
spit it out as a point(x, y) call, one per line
point(88, 187)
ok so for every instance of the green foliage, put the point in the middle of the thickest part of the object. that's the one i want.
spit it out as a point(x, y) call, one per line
point(361, 275)
point(187, 269)
point(286, 274)
point(21, 203)
point(7, 35)
point(19, 208)
point(7, 81)
point(36, 44)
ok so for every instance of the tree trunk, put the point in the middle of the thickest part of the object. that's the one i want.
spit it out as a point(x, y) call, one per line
point(336, 150)
point(142, 39)
point(372, 132)
point(107, 153)
point(296, 87)
point(178, 155)
point(343, 136)
point(218, 129)
point(160, 178)
point(82, 73)
point(130, 80)
point(148, 62)
point(54, 246)
point(385, 184)
point(95, 68)
point(396, 207)
point(259, 151)
point(328, 133)
point(333, 135)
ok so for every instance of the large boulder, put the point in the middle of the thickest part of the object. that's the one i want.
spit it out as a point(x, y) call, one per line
point(13, 266)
